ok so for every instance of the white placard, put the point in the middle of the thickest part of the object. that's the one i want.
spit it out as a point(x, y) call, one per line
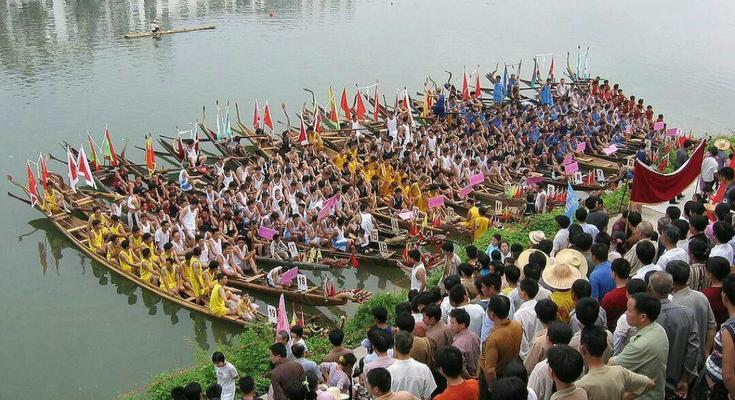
point(600, 175)
point(272, 314)
point(374, 235)
point(578, 177)
point(550, 189)
point(630, 162)
point(293, 250)
point(301, 282)
point(383, 247)
point(394, 225)
point(648, 145)
point(498, 206)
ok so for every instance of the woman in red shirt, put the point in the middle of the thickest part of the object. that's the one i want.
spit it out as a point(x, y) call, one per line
point(717, 269)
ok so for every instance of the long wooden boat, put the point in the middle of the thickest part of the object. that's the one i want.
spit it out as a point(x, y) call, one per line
point(75, 229)
point(135, 35)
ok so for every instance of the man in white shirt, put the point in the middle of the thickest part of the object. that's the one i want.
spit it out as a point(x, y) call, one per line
point(561, 239)
point(581, 215)
point(458, 299)
point(408, 374)
point(645, 251)
point(709, 169)
point(722, 232)
point(669, 238)
point(526, 313)
point(226, 375)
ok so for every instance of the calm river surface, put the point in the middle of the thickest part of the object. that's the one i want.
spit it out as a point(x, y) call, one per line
point(71, 330)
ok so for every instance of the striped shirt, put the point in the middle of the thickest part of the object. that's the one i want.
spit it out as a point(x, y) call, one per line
point(713, 365)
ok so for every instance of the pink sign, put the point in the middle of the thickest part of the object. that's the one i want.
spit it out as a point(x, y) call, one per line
point(659, 125)
point(534, 180)
point(437, 201)
point(477, 178)
point(322, 214)
point(266, 233)
point(571, 168)
point(331, 202)
point(581, 147)
point(465, 191)
point(288, 276)
point(568, 159)
point(673, 132)
point(406, 215)
point(610, 149)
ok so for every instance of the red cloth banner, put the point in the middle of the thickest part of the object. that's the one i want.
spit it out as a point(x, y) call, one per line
point(652, 187)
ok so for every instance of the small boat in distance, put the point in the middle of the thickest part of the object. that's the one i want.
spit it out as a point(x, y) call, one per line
point(134, 35)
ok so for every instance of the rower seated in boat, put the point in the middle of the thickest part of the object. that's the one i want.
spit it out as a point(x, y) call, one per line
point(171, 280)
point(273, 278)
point(53, 200)
point(96, 241)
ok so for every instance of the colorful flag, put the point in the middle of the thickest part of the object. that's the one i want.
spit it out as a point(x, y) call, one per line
point(108, 150)
point(257, 123)
point(317, 123)
point(32, 186)
point(407, 100)
point(345, 105)
point(180, 148)
point(572, 201)
point(535, 75)
point(478, 89)
point(72, 171)
point(587, 63)
point(332, 106)
point(150, 155)
point(551, 69)
point(282, 324)
point(650, 187)
point(302, 132)
point(267, 120)
point(44, 171)
point(359, 106)
point(83, 165)
point(465, 87)
point(505, 81)
point(376, 110)
point(96, 164)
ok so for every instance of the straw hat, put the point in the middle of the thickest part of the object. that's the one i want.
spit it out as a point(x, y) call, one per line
point(572, 258)
point(560, 276)
point(335, 392)
point(536, 236)
point(722, 144)
point(523, 258)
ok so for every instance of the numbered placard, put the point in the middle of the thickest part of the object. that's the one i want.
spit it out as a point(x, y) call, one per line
point(394, 225)
point(293, 250)
point(272, 314)
point(383, 247)
point(374, 235)
point(301, 282)
point(578, 177)
point(550, 189)
point(600, 175)
point(498, 206)
point(630, 162)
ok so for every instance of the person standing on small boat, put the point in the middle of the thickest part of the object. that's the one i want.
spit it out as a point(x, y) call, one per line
point(154, 27)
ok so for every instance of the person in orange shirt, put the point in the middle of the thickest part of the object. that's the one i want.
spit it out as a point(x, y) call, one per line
point(450, 364)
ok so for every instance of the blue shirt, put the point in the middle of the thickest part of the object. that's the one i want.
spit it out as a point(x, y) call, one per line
point(601, 280)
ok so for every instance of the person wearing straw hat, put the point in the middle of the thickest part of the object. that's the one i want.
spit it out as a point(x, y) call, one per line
point(535, 237)
point(560, 277)
point(723, 146)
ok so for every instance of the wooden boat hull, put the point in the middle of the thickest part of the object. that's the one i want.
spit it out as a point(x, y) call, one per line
point(135, 35)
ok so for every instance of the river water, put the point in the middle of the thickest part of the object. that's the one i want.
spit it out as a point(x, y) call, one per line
point(71, 330)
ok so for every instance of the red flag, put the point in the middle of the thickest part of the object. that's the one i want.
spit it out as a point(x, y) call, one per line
point(72, 171)
point(267, 120)
point(44, 172)
point(345, 105)
point(353, 260)
point(376, 111)
point(32, 186)
point(551, 69)
point(465, 87)
point(83, 166)
point(96, 164)
point(651, 187)
point(302, 132)
point(717, 198)
point(257, 123)
point(180, 148)
point(359, 106)
point(478, 89)
point(302, 322)
point(150, 155)
point(317, 123)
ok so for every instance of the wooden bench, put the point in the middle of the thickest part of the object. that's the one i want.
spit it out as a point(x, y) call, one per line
point(255, 277)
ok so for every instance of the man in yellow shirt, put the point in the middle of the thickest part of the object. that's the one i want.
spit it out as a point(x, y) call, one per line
point(480, 224)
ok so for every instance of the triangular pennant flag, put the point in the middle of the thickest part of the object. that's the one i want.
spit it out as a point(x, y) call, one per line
point(96, 164)
point(376, 110)
point(72, 171)
point(267, 120)
point(407, 100)
point(302, 132)
point(84, 169)
point(345, 105)
point(108, 150)
point(354, 261)
point(465, 87)
point(359, 106)
point(332, 106)
point(551, 69)
point(44, 171)
point(150, 155)
point(257, 123)
point(316, 125)
point(478, 88)
point(32, 185)
point(180, 148)
point(282, 324)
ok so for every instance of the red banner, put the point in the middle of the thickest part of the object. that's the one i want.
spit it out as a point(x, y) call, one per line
point(652, 187)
